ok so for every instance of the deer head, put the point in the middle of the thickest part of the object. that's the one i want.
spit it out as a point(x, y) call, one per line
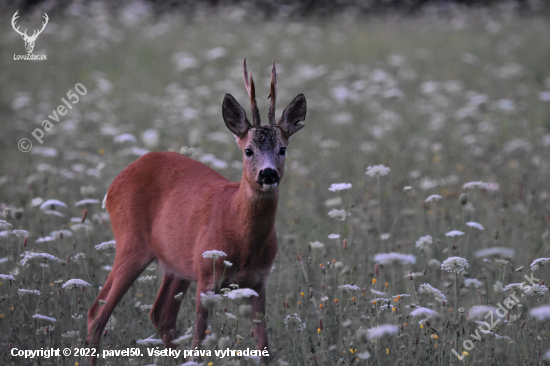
point(29, 40)
point(263, 147)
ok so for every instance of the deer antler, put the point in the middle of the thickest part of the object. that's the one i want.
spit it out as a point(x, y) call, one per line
point(43, 26)
point(252, 94)
point(13, 19)
point(272, 95)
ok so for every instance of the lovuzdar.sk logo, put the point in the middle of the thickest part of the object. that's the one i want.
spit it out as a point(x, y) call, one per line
point(29, 40)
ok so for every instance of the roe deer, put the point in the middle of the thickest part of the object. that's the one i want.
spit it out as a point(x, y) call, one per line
point(171, 208)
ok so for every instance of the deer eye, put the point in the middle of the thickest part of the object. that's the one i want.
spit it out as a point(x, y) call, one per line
point(248, 152)
point(282, 151)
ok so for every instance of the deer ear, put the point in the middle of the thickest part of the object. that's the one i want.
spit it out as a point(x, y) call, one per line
point(293, 116)
point(234, 116)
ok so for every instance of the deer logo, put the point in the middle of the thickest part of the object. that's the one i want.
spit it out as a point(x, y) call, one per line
point(29, 40)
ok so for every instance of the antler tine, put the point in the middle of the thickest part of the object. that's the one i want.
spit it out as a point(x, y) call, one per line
point(46, 18)
point(272, 94)
point(13, 19)
point(252, 94)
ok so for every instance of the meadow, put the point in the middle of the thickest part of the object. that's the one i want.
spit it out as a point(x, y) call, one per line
point(414, 203)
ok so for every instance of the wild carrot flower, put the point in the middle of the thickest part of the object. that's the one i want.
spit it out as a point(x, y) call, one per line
point(210, 299)
point(334, 236)
point(24, 292)
point(428, 289)
point(455, 264)
point(106, 245)
point(338, 214)
point(539, 262)
point(420, 311)
point(454, 233)
point(316, 245)
point(213, 254)
point(241, 293)
point(424, 242)
point(227, 263)
point(40, 256)
point(44, 318)
point(541, 313)
point(433, 197)
point(475, 225)
point(7, 277)
point(294, 323)
point(472, 282)
point(335, 187)
point(381, 331)
point(349, 288)
point(75, 283)
point(535, 290)
point(391, 258)
point(377, 170)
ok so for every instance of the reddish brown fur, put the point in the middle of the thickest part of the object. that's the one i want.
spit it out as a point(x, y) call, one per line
point(171, 208)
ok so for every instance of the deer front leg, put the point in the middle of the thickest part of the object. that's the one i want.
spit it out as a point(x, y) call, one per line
point(202, 315)
point(258, 306)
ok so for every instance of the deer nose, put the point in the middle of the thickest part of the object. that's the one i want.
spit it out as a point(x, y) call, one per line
point(268, 176)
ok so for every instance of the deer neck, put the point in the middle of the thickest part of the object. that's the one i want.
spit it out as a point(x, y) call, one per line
point(256, 209)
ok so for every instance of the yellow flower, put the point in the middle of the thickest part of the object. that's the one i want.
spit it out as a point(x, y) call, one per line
point(1, 316)
point(336, 301)
point(387, 351)
point(387, 284)
point(101, 151)
point(318, 330)
point(434, 336)
point(210, 363)
point(421, 326)
point(393, 310)
point(302, 294)
point(76, 364)
point(373, 281)
point(352, 350)
point(465, 353)
point(12, 308)
point(320, 306)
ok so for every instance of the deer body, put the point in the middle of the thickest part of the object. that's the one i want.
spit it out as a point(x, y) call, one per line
point(170, 208)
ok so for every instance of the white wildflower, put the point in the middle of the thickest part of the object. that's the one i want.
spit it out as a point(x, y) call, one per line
point(535, 290)
point(475, 225)
point(150, 342)
point(424, 242)
point(294, 323)
point(36, 201)
point(433, 197)
point(473, 282)
point(87, 201)
point(472, 185)
point(428, 289)
point(381, 331)
point(75, 283)
point(512, 286)
point(455, 264)
point(145, 279)
point(541, 313)
point(349, 288)
point(24, 292)
point(377, 170)
point(44, 318)
point(52, 203)
point(79, 256)
point(39, 256)
point(434, 263)
point(316, 245)
point(20, 233)
point(106, 245)
point(7, 277)
point(334, 236)
point(241, 293)
point(335, 187)
point(338, 214)
point(497, 287)
point(365, 355)
point(45, 239)
point(539, 262)
point(454, 233)
point(503, 252)
point(385, 236)
point(480, 311)
point(420, 311)
point(210, 299)
point(390, 258)
point(213, 254)
point(227, 263)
